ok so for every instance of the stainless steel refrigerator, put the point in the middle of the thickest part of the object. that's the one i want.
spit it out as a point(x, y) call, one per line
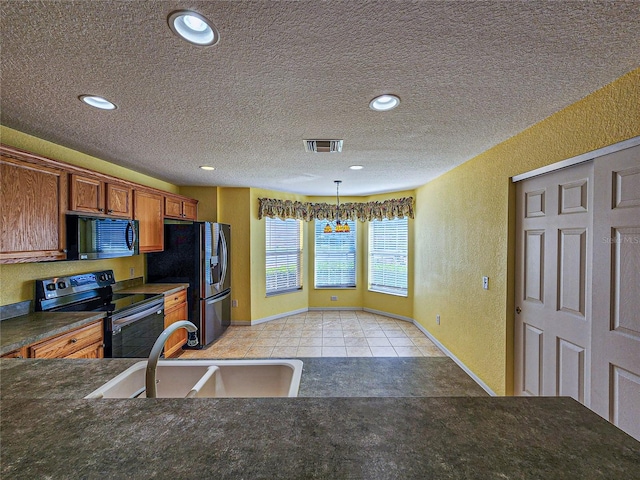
point(198, 253)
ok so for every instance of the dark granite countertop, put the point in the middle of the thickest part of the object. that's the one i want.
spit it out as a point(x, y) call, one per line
point(49, 431)
point(27, 329)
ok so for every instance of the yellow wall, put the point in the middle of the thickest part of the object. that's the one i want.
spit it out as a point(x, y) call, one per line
point(402, 306)
point(234, 209)
point(207, 201)
point(347, 297)
point(464, 228)
point(17, 280)
point(263, 306)
point(33, 144)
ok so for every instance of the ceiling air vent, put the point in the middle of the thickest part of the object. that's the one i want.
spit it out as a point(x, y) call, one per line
point(323, 146)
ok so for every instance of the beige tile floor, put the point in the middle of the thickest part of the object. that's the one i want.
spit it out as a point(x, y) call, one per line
point(327, 333)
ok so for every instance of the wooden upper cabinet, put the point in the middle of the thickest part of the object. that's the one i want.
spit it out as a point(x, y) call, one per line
point(119, 200)
point(178, 207)
point(33, 203)
point(92, 195)
point(190, 210)
point(149, 211)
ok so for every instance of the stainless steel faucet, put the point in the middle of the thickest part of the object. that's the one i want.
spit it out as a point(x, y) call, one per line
point(154, 356)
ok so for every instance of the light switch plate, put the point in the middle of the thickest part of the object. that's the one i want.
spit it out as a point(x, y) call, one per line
point(485, 283)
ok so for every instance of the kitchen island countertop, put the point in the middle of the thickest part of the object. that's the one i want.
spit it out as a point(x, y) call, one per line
point(48, 430)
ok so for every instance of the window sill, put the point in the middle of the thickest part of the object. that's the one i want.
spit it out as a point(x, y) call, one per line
point(405, 295)
point(335, 288)
point(283, 292)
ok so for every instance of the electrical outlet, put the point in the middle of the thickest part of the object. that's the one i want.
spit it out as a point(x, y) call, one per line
point(132, 272)
point(437, 319)
point(485, 283)
point(334, 298)
point(234, 303)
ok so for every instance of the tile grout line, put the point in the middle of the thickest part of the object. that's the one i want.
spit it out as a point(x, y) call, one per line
point(378, 326)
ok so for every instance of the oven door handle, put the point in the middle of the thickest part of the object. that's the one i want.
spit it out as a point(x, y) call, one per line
point(126, 320)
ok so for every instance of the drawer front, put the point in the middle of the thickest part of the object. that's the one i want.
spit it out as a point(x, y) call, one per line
point(68, 343)
point(174, 299)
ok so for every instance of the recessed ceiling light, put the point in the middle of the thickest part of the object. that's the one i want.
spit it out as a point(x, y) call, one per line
point(384, 103)
point(97, 102)
point(356, 167)
point(206, 167)
point(193, 27)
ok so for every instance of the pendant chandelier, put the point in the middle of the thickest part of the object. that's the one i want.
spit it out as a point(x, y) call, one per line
point(339, 227)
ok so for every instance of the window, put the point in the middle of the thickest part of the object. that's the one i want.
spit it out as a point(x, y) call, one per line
point(335, 265)
point(388, 246)
point(283, 255)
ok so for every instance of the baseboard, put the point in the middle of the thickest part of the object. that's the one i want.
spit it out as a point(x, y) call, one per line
point(390, 315)
point(313, 309)
point(468, 371)
point(447, 352)
point(275, 317)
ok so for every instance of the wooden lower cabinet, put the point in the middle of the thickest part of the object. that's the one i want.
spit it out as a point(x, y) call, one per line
point(175, 309)
point(83, 342)
point(20, 353)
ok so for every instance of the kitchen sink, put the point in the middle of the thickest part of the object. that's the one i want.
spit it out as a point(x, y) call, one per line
point(208, 379)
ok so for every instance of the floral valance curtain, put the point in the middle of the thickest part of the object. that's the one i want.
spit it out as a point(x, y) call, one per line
point(307, 211)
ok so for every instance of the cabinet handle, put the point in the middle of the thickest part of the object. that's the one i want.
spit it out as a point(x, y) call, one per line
point(73, 340)
point(101, 209)
point(109, 211)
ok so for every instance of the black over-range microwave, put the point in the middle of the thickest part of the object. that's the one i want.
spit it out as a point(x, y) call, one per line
point(91, 238)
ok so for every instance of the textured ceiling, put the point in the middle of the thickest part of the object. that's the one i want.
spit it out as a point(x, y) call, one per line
point(469, 74)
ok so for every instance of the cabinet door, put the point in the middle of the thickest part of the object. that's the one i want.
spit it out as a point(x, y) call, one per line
point(33, 203)
point(179, 337)
point(95, 350)
point(148, 210)
point(70, 344)
point(172, 207)
point(86, 194)
point(118, 202)
point(190, 210)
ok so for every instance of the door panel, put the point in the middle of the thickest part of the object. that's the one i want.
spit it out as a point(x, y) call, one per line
point(571, 273)
point(532, 364)
point(552, 325)
point(615, 372)
point(571, 370)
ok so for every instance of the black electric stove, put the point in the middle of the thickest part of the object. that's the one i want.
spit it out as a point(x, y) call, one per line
point(132, 321)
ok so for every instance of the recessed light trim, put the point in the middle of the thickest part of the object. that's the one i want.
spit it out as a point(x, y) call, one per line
point(384, 103)
point(356, 167)
point(207, 167)
point(97, 102)
point(193, 27)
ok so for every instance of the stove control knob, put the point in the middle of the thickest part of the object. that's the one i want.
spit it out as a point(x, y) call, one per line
point(62, 285)
point(51, 286)
point(102, 277)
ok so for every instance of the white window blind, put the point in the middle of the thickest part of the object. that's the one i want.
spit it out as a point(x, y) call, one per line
point(335, 265)
point(388, 247)
point(283, 255)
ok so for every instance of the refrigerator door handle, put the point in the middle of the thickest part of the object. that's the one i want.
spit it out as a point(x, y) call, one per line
point(218, 299)
point(224, 259)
